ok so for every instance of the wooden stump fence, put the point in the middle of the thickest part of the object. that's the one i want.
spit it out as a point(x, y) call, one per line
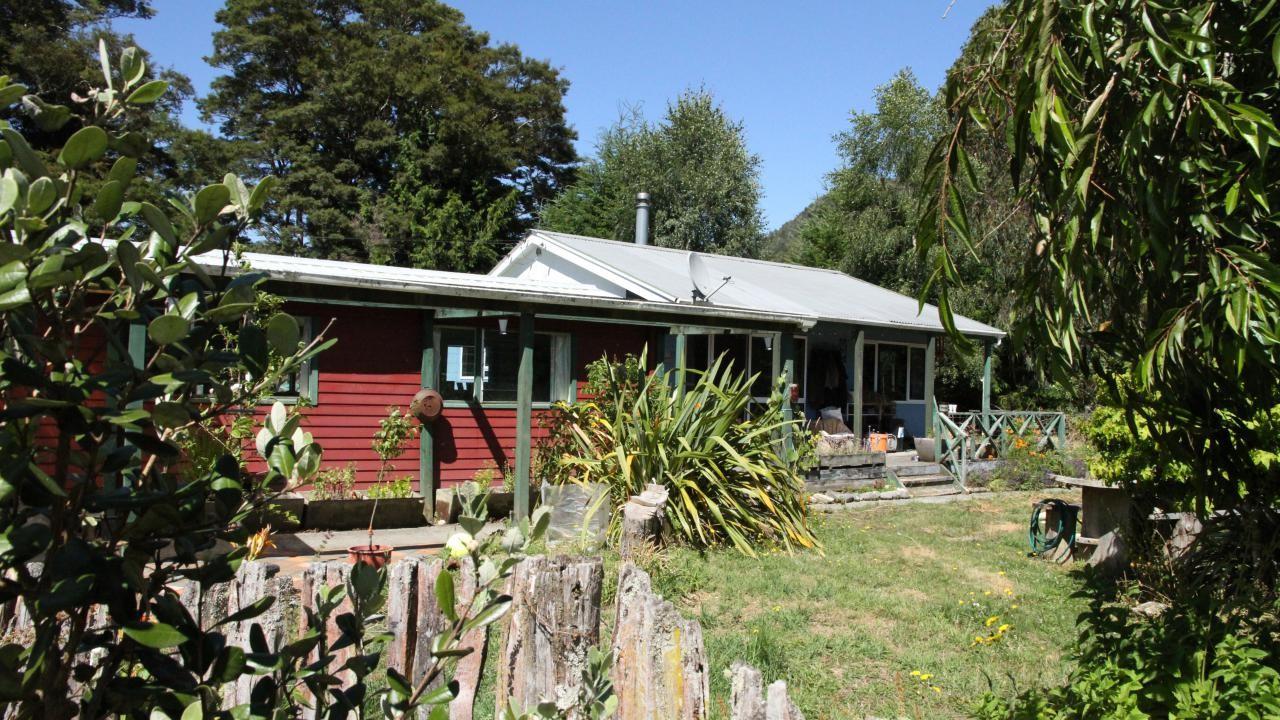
point(659, 671)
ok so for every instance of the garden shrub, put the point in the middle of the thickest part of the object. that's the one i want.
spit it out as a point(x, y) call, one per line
point(334, 483)
point(1183, 665)
point(126, 494)
point(1023, 465)
point(393, 432)
point(731, 476)
point(391, 489)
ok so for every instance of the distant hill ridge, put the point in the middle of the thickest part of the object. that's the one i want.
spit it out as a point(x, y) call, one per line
point(780, 245)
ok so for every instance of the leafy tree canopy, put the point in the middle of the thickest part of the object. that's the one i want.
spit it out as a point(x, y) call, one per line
point(401, 134)
point(865, 225)
point(695, 164)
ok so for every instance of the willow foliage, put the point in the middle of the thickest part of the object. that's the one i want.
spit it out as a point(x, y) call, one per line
point(1140, 133)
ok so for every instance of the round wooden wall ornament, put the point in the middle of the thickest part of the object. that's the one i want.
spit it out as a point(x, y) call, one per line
point(427, 405)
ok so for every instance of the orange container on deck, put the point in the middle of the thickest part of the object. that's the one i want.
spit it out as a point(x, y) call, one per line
point(878, 442)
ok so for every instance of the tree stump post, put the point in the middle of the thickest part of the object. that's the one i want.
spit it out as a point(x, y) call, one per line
point(554, 620)
point(749, 701)
point(659, 661)
point(643, 518)
point(254, 581)
point(431, 621)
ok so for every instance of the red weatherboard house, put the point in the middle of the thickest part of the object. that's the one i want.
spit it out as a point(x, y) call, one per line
point(501, 347)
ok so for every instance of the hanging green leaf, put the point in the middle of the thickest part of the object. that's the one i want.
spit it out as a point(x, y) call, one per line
point(209, 202)
point(168, 329)
point(41, 196)
point(110, 197)
point(283, 333)
point(155, 635)
point(147, 93)
point(85, 146)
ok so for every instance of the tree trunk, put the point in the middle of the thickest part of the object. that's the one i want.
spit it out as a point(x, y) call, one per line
point(254, 581)
point(430, 621)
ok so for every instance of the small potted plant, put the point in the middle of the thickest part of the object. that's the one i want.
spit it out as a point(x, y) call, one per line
point(370, 554)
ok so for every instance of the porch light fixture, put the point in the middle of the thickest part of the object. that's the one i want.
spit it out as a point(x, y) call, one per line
point(768, 343)
point(502, 325)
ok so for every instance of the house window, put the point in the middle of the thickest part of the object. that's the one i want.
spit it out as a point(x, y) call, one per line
point(457, 353)
point(762, 367)
point(748, 355)
point(892, 372)
point(485, 365)
point(502, 367)
point(915, 386)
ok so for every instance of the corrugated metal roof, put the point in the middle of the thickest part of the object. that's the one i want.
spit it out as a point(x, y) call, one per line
point(490, 287)
point(662, 274)
point(352, 274)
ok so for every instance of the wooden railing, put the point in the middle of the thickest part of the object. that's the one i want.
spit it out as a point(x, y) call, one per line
point(964, 437)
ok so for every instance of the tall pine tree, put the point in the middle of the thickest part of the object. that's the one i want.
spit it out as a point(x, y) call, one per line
point(401, 134)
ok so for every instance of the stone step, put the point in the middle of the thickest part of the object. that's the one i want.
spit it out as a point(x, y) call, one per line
point(934, 490)
point(915, 481)
point(912, 469)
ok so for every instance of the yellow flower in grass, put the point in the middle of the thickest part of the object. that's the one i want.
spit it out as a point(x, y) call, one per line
point(992, 620)
point(1004, 628)
point(1001, 573)
point(1013, 606)
point(915, 673)
point(925, 676)
point(935, 688)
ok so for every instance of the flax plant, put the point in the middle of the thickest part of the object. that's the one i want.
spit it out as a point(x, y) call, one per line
point(732, 474)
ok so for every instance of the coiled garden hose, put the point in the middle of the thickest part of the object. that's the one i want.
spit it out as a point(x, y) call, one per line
point(1044, 541)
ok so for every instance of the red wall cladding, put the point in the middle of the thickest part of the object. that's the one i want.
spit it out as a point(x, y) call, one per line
point(376, 363)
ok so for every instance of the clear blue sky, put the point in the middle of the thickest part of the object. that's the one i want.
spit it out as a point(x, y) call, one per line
point(789, 71)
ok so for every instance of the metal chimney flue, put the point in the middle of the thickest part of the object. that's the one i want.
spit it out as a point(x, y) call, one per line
point(642, 218)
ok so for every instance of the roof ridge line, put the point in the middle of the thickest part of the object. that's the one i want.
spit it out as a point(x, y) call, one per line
point(759, 261)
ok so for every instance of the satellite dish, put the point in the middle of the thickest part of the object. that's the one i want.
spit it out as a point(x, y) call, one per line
point(705, 281)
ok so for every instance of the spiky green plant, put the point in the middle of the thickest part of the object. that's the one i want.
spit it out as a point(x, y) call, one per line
point(731, 474)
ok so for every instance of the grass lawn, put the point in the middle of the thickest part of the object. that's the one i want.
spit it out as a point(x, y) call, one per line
point(900, 589)
point(900, 594)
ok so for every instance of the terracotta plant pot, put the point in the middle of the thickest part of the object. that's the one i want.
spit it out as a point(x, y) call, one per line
point(375, 555)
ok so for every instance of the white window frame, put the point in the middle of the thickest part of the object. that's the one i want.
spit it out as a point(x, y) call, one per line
point(562, 382)
point(800, 366)
point(875, 370)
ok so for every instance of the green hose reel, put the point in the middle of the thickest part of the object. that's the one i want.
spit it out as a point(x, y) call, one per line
point(1055, 533)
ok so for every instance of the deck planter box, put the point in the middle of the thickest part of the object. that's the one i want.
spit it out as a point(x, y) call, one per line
point(285, 512)
point(353, 514)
